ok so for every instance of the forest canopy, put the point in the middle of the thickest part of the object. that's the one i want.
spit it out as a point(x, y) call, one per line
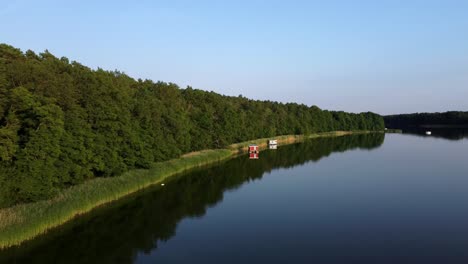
point(62, 123)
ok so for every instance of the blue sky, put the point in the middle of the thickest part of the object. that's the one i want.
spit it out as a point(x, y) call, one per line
point(382, 56)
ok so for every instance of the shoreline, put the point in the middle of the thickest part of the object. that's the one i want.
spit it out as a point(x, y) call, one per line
point(26, 221)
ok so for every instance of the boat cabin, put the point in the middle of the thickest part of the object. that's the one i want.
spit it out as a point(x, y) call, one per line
point(273, 144)
point(253, 149)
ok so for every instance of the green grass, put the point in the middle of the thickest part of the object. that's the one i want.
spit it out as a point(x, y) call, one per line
point(26, 221)
point(23, 222)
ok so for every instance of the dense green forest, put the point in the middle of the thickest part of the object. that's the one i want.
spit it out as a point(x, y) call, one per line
point(452, 118)
point(62, 123)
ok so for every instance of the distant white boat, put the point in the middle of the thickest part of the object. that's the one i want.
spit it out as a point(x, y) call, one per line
point(428, 133)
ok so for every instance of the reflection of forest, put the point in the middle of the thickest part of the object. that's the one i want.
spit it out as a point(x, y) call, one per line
point(114, 234)
point(439, 132)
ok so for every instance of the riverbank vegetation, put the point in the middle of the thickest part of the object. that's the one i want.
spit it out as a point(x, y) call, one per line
point(25, 221)
point(62, 123)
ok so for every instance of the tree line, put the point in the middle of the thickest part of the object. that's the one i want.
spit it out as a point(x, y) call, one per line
point(62, 123)
point(451, 118)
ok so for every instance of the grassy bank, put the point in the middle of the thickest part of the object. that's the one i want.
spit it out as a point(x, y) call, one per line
point(288, 139)
point(23, 222)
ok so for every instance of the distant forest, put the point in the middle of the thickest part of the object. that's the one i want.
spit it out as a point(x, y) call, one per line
point(449, 119)
point(62, 123)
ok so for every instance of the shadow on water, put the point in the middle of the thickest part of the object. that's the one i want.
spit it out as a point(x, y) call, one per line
point(438, 132)
point(139, 223)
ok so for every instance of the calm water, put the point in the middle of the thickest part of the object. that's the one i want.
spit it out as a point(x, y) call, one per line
point(354, 199)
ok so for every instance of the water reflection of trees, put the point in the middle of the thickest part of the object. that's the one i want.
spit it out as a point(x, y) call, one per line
point(444, 133)
point(115, 233)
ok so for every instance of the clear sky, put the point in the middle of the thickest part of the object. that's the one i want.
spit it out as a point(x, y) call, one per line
point(386, 56)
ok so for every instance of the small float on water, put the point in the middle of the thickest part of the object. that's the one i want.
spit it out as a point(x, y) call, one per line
point(428, 133)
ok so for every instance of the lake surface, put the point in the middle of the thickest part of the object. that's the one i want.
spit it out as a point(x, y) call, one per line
point(394, 198)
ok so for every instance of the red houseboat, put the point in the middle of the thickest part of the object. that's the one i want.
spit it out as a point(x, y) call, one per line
point(253, 149)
